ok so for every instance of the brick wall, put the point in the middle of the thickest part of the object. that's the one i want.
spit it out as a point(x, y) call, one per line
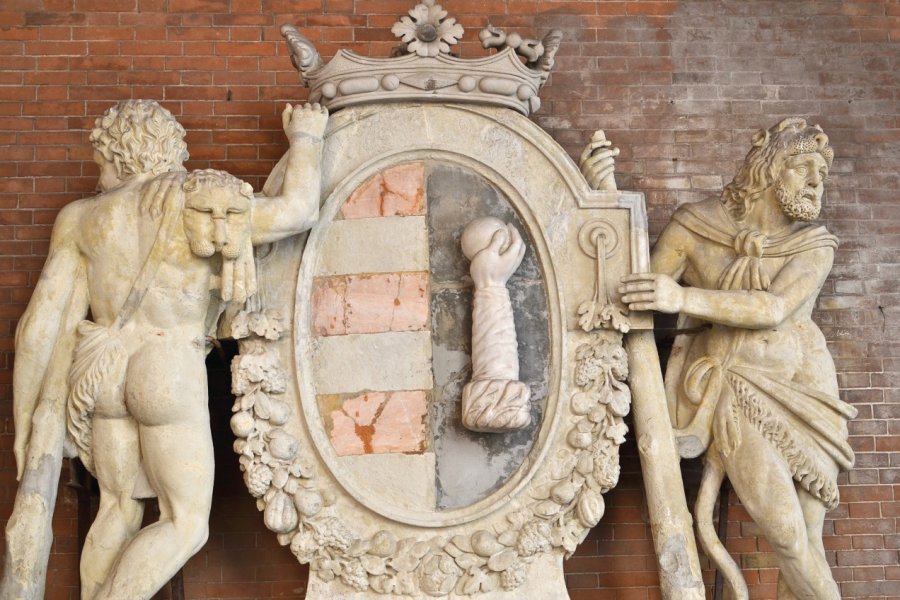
point(679, 86)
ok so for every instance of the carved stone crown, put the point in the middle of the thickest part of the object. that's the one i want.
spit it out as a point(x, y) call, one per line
point(424, 70)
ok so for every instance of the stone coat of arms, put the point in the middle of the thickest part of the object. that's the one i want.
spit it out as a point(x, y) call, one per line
point(375, 336)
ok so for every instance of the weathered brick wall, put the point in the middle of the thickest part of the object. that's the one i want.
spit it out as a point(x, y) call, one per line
point(678, 85)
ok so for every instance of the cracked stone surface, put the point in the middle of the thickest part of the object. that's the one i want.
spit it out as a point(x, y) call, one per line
point(370, 303)
point(379, 422)
point(397, 191)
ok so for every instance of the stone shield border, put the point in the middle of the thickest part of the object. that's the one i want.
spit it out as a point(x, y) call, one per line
point(517, 537)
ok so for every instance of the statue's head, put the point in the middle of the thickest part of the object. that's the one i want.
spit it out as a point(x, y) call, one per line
point(137, 137)
point(217, 213)
point(792, 158)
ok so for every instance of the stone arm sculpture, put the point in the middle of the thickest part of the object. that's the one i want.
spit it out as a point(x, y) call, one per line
point(796, 284)
point(296, 209)
point(494, 347)
point(46, 330)
point(495, 400)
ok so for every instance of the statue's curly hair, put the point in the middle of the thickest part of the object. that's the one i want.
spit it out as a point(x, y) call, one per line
point(762, 165)
point(140, 136)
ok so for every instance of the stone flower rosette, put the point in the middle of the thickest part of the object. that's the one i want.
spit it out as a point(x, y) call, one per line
point(427, 31)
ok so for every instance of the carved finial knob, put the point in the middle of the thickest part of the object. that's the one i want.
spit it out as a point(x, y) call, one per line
point(598, 163)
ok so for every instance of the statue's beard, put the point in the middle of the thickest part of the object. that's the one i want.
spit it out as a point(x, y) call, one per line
point(231, 251)
point(803, 205)
point(205, 249)
point(202, 248)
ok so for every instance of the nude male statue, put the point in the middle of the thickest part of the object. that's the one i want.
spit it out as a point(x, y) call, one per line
point(754, 386)
point(142, 257)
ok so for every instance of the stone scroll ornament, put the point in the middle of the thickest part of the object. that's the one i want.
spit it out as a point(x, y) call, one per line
point(598, 239)
point(495, 400)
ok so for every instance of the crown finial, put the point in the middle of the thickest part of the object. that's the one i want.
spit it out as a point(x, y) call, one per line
point(424, 69)
point(427, 31)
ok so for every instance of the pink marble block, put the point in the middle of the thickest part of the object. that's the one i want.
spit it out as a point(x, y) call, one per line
point(398, 191)
point(328, 306)
point(373, 303)
point(381, 423)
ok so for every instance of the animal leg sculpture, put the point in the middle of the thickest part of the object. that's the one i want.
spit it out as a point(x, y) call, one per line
point(713, 475)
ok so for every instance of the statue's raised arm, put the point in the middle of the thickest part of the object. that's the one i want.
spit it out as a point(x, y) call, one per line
point(45, 333)
point(296, 208)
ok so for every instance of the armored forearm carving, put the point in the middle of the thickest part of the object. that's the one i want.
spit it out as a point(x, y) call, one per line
point(495, 400)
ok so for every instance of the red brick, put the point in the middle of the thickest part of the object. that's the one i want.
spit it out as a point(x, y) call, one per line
point(191, 6)
point(667, 80)
point(102, 33)
point(141, 48)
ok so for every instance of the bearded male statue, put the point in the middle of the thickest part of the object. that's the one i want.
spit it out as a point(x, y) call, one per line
point(751, 382)
point(151, 261)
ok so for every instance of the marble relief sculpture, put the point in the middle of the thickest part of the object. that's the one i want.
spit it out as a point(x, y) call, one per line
point(366, 415)
point(152, 259)
point(751, 384)
point(373, 479)
point(495, 400)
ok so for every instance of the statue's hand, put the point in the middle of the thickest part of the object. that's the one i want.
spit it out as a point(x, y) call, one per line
point(495, 264)
point(307, 121)
point(597, 163)
point(160, 192)
point(652, 291)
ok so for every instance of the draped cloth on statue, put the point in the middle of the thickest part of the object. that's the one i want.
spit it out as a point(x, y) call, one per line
point(716, 383)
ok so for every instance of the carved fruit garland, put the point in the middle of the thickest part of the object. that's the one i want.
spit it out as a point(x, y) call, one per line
point(276, 473)
point(568, 501)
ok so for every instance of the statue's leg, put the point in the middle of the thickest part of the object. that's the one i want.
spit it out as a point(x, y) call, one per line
point(814, 515)
point(117, 455)
point(783, 591)
point(710, 488)
point(764, 484)
point(166, 394)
